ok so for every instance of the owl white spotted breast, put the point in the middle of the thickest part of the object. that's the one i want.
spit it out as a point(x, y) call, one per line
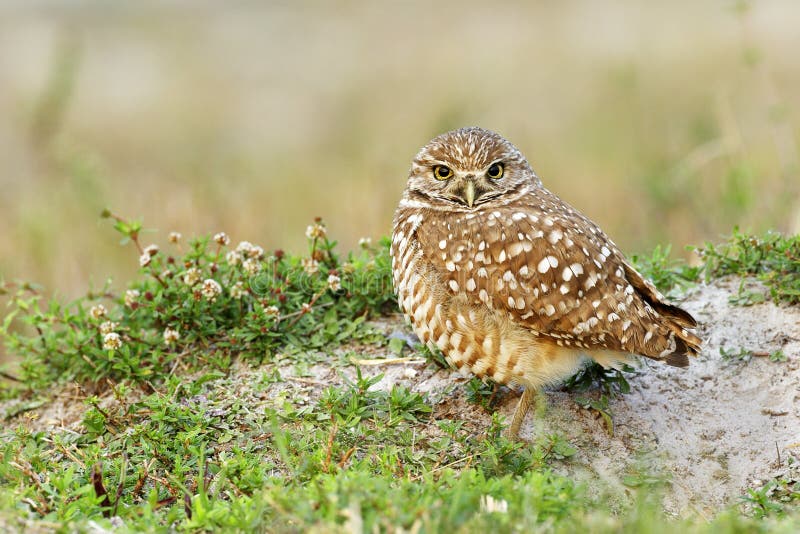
point(512, 283)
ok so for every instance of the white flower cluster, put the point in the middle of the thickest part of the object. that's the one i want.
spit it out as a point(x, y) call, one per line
point(191, 276)
point(334, 282)
point(251, 266)
point(246, 254)
point(106, 327)
point(316, 231)
point(246, 248)
point(211, 289)
point(112, 341)
point(222, 238)
point(238, 291)
point(171, 335)
point(131, 297)
point(233, 258)
point(147, 255)
point(310, 265)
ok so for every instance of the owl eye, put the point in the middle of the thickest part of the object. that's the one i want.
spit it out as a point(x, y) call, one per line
point(440, 172)
point(495, 171)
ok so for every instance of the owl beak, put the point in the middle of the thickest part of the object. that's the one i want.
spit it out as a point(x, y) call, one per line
point(469, 193)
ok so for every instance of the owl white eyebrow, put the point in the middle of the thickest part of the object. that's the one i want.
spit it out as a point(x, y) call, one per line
point(437, 163)
point(486, 168)
point(495, 162)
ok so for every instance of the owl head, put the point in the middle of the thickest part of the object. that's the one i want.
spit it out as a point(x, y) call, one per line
point(467, 169)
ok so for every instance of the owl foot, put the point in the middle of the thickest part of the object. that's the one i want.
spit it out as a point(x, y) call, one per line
point(523, 406)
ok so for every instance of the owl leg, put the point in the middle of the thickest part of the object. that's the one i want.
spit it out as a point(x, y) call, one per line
point(524, 404)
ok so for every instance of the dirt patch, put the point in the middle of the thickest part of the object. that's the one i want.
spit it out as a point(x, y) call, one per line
point(715, 428)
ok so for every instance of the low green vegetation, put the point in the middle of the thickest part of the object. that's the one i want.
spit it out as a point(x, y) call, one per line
point(743, 355)
point(201, 303)
point(193, 399)
point(773, 259)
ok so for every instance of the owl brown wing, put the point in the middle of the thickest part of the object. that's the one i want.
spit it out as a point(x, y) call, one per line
point(556, 273)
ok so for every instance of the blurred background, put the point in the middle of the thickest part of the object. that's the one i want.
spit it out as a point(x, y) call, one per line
point(664, 122)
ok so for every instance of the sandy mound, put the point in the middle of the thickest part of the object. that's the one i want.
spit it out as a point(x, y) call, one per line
point(722, 424)
point(715, 428)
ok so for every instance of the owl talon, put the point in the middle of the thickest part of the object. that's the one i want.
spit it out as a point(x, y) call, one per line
point(523, 406)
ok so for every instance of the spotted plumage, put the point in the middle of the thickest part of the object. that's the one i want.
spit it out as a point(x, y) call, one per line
point(512, 283)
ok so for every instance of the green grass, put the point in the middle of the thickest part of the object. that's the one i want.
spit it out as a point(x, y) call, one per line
point(204, 412)
point(774, 259)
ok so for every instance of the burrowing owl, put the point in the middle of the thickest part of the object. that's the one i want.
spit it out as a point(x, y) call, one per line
point(512, 283)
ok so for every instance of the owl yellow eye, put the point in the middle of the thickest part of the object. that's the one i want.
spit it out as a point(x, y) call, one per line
point(495, 171)
point(442, 173)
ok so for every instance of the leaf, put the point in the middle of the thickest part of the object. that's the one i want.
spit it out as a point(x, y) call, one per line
point(396, 345)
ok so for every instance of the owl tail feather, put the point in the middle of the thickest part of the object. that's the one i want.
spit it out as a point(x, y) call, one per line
point(676, 319)
point(686, 344)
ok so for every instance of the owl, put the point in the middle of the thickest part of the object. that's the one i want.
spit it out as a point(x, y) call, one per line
point(512, 283)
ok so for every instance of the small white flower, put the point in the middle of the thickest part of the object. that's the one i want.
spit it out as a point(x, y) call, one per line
point(131, 296)
point(310, 265)
point(98, 311)
point(489, 504)
point(315, 231)
point(152, 250)
point(272, 310)
point(144, 259)
point(251, 266)
point(106, 327)
point(306, 307)
point(256, 252)
point(191, 276)
point(174, 237)
point(238, 291)
point(334, 282)
point(222, 238)
point(112, 341)
point(365, 242)
point(244, 247)
point(171, 335)
point(211, 289)
point(233, 257)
